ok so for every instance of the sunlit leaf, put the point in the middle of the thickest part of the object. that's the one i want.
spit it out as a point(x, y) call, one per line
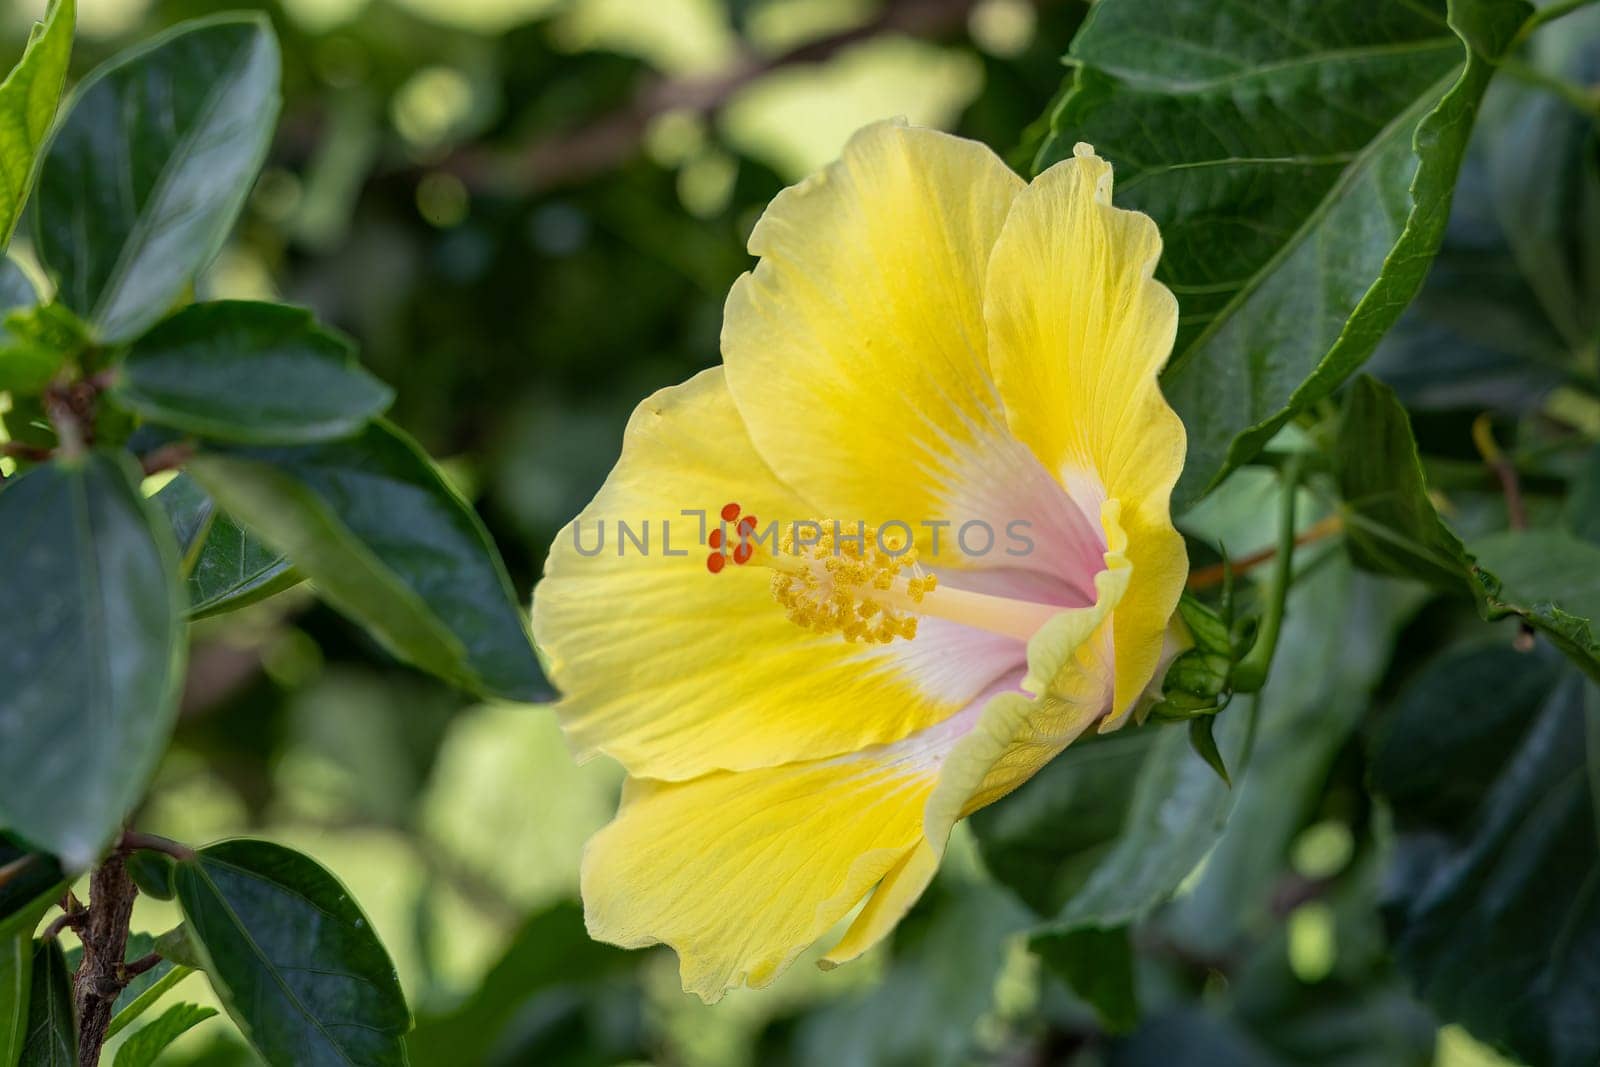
point(28, 99)
point(150, 166)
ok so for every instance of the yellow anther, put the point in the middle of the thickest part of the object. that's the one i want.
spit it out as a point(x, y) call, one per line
point(827, 583)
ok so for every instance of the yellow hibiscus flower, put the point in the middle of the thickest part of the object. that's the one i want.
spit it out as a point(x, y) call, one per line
point(959, 369)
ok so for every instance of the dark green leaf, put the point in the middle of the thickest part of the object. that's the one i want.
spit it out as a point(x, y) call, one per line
point(227, 568)
point(16, 981)
point(144, 1046)
point(1299, 158)
point(551, 953)
point(387, 541)
point(292, 957)
point(1108, 829)
point(152, 873)
point(52, 1039)
point(1551, 580)
point(1204, 744)
point(1098, 966)
point(1312, 704)
point(1494, 893)
point(150, 166)
point(93, 667)
point(249, 372)
point(947, 956)
point(1391, 525)
point(28, 99)
point(32, 880)
point(1546, 577)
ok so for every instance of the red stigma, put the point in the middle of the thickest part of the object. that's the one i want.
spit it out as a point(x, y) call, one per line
point(747, 524)
point(742, 553)
point(730, 512)
point(715, 540)
point(715, 562)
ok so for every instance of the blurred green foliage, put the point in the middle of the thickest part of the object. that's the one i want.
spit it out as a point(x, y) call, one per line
point(528, 213)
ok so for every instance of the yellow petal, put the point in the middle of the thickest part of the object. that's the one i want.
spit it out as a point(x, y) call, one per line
point(674, 671)
point(1078, 329)
point(741, 872)
point(856, 349)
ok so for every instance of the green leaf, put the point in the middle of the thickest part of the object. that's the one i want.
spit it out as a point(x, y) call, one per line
point(34, 344)
point(1109, 828)
point(1491, 764)
point(32, 881)
point(1296, 229)
point(1098, 966)
point(1391, 525)
point(551, 954)
point(388, 542)
point(16, 982)
point(52, 1039)
point(143, 1047)
point(150, 166)
point(227, 568)
point(151, 872)
point(94, 666)
point(1312, 704)
point(291, 956)
point(1545, 577)
point(948, 954)
point(250, 372)
point(28, 99)
point(1551, 580)
point(169, 974)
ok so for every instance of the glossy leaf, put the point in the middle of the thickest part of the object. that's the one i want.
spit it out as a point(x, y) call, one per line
point(1490, 763)
point(16, 982)
point(52, 1039)
point(1108, 829)
point(388, 542)
point(151, 1040)
point(1299, 158)
point(150, 166)
point(227, 568)
point(242, 371)
point(292, 957)
point(93, 668)
point(28, 99)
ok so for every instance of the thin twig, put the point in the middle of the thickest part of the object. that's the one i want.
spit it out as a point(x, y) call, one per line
point(31, 453)
point(72, 920)
point(141, 965)
point(16, 867)
point(607, 141)
point(133, 840)
point(1209, 577)
point(166, 458)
